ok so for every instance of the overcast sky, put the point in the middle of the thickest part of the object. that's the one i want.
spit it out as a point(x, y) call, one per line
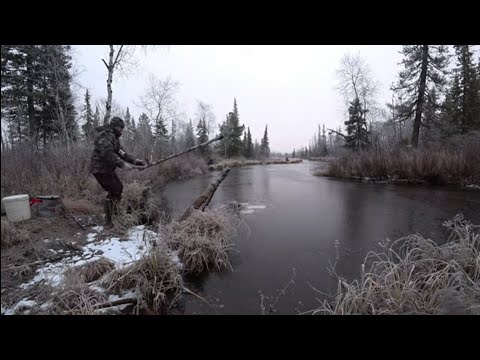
point(290, 88)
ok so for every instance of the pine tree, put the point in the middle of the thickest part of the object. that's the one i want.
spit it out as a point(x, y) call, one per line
point(13, 93)
point(265, 147)
point(160, 129)
point(250, 152)
point(37, 102)
point(356, 125)
point(128, 118)
point(324, 149)
point(432, 116)
point(231, 145)
point(144, 129)
point(55, 64)
point(245, 144)
point(87, 115)
point(463, 101)
point(293, 153)
point(202, 136)
point(424, 70)
point(235, 143)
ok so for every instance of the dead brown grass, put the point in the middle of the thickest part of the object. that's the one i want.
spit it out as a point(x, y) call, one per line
point(203, 240)
point(56, 170)
point(11, 235)
point(442, 166)
point(73, 297)
point(137, 207)
point(155, 277)
point(93, 270)
point(81, 206)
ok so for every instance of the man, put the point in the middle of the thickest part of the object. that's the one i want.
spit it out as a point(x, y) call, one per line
point(107, 156)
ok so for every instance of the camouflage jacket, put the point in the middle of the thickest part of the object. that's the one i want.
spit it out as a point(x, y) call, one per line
point(108, 154)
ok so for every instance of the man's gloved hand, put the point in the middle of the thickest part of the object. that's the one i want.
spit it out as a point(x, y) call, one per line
point(127, 166)
point(140, 162)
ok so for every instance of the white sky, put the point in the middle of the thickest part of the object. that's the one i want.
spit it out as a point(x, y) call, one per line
point(290, 88)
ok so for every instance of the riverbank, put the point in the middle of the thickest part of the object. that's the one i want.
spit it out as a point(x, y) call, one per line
point(418, 167)
point(58, 270)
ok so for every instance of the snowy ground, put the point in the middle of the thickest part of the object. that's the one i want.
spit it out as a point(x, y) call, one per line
point(121, 251)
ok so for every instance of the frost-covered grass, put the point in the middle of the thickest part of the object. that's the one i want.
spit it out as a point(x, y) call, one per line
point(414, 275)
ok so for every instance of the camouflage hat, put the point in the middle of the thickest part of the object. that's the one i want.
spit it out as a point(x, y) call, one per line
point(117, 122)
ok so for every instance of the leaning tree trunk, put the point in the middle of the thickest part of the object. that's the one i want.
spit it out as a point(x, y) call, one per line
point(421, 97)
point(220, 137)
point(202, 201)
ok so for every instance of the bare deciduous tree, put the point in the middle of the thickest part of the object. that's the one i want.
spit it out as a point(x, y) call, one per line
point(205, 112)
point(358, 89)
point(161, 105)
point(121, 58)
point(159, 100)
point(356, 81)
point(115, 108)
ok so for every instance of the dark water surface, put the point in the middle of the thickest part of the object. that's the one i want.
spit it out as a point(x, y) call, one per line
point(295, 222)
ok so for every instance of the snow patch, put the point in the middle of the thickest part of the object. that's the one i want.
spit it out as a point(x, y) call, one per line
point(175, 259)
point(120, 252)
point(22, 306)
point(91, 237)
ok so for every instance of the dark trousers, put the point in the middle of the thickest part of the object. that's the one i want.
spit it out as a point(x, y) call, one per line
point(111, 183)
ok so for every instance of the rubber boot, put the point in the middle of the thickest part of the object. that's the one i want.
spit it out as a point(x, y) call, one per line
point(115, 205)
point(108, 214)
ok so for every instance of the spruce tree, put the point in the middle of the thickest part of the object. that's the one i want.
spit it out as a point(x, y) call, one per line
point(265, 144)
point(424, 69)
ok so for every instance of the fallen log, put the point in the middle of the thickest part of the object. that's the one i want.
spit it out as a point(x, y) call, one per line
point(202, 201)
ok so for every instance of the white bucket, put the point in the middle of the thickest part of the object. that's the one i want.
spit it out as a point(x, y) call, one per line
point(17, 207)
